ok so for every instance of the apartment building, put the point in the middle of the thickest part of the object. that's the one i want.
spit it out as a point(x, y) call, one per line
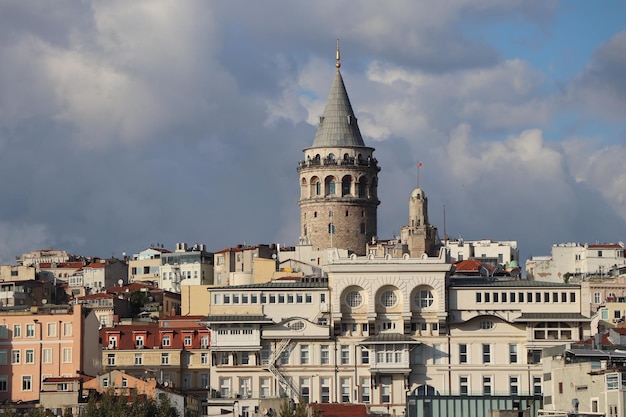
point(577, 261)
point(145, 266)
point(236, 265)
point(186, 265)
point(45, 342)
point(174, 351)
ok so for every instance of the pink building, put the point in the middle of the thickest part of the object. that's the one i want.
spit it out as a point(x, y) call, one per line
point(45, 342)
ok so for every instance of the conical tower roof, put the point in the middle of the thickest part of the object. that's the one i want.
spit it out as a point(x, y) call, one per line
point(338, 126)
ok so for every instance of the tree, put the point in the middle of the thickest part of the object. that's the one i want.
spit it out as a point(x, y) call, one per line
point(289, 409)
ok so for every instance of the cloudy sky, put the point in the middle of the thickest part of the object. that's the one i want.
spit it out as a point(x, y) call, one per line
point(129, 123)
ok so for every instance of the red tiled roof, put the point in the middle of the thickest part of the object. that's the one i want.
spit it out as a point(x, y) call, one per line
point(341, 410)
point(605, 246)
point(470, 265)
point(62, 378)
point(135, 286)
point(69, 265)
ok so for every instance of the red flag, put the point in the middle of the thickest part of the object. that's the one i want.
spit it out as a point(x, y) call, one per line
point(419, 164)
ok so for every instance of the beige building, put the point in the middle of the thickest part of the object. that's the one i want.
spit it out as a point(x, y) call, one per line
point(186, 265)
point(577, 261)
point(237, 265)
point(37, 257)
point(55, 341)
point(17, 272)
point(145, 266)
point(485, 250)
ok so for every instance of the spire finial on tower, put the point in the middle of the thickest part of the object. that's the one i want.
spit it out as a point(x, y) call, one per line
point(338, 63)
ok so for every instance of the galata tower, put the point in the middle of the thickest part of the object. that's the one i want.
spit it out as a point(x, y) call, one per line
point(338, 179)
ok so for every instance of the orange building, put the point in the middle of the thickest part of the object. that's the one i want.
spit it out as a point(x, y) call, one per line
point(45, 342)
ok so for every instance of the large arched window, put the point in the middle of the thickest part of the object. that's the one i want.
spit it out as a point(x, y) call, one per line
point(389, 299)
point(354, 299)
point(363, 188)
point(316, 186)
point(424, 298)
point(330, 186)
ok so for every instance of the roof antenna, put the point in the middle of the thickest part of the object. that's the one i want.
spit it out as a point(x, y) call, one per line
point(338, 64)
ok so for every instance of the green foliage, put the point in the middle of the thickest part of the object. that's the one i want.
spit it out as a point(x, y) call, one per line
point(288, 409)
point(137, 300)
point(110, 405)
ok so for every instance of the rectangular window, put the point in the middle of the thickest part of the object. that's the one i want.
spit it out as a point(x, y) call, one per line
point(345, 390)
point(512, 297)
point(325, 390)
point(462, 353)
point(495, 297)
point(52, 329)
point(225, 387)
point(165, 358)
point(365, 390)
point(138, 359)
point(521, 297)
point(30, 330)
point(365, 356)
point(4, 331)
point(67, 355)
point(204, 342)
point(479, 297)
point(27, 383)
point(204, 358)
point(437, 354)
point(17, 330)
point(3, 357)
point(564, 297)
point(513, 385)
point(529, 297)
point(572, 297)
point(16, 357)
point(245, 358)
point(30, 356)
point(537, 385)
point(139, 342)
point(47, 355)
point(512, 353)
point(504, 297)
point(463, 385)
point(385, 389)
point(111, 359)
point(305, 390)
point(265, 387)
point(486, 385)
point(4, 383)
point(345, 354)
point(324, 355)
point(487, 297)
point(166, 341)
point(304, 354)
point(486, 353)
point(187, 340)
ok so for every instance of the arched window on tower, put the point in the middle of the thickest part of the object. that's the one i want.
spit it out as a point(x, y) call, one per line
point(330, 186)
point(331, 228)
point(362, 228)
point(345, 185)
point(363, 188)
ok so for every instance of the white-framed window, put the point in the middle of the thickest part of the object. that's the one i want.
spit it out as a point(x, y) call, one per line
point(346, 388)
point(385, 389)
point(512, 353)
point(487, 379)
point(464, 385)
point(17, 330)
point(463, 353)
point(30, 330)
point(304, 354)
point(29, 356)
point(486, 353)
point(124, 382)
point(345, 354)
point(166, 341)
point(165, 358)
point(365, 390)
point(52, 329)
point(305, 390)
point(105, 382)
point(138, 359)
point(46, 355)
point(204, 358)
point(111, 359)
point(139, 341)
point(325, 389)
point(67, 355)
point(16, 357)
point(265, 387)
point(596, 298)
point(27, 383)
point(437, 354)
point(513, 385)
point(389, 299)
point(224, 387)
point(204, 342)
point(354, 299)
point(537, 385)
point(424, 298)
point(365, 356)
point(324, 354)
point(187, 340)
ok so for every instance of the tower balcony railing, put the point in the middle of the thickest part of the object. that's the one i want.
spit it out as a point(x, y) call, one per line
point(351, 162)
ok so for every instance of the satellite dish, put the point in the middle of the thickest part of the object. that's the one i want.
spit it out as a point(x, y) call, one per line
point(44, 301)
point(120, 282)
point(483, 270)
point(497, 269)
